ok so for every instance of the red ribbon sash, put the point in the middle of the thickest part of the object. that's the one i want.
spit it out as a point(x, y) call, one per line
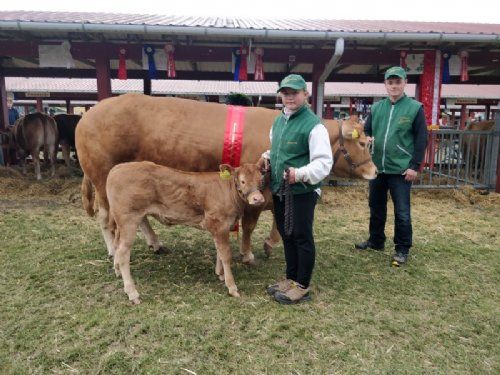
point(233, 136)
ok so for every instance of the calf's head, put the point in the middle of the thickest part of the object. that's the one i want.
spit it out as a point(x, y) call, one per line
point(248, 182)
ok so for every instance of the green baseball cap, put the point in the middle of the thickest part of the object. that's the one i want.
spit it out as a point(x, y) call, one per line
point(293, 81)
point(395, 71)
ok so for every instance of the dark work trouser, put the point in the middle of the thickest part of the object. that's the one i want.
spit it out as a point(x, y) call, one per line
point(400, 194)
point(299, 247)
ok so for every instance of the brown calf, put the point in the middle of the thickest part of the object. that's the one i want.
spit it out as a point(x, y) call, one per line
point(206, 200)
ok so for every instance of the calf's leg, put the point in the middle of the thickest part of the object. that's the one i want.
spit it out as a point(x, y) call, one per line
point(224, 253)
point(107, 234)
point(122, 260)
point(151, 238)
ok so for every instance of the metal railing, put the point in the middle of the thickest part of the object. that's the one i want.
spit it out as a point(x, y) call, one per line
point(461, 157)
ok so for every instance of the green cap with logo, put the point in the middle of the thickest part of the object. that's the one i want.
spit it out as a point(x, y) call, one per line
point(395, 71)
point(293, 81)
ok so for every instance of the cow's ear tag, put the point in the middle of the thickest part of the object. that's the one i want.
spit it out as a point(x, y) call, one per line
point(225, 175)
point(355, 134)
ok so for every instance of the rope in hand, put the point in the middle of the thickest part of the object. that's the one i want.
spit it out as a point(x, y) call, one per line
point(286, 190)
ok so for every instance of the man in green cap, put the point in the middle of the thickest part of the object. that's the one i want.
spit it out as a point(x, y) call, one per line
point(399, 138)
point(301, 154)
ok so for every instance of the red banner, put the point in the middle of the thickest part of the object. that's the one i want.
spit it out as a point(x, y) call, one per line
point(233, 136)
point(169, 50)
point(464, 66)
point(122, 65)
point(259, 65)
point(243, 74)
point(430, 86)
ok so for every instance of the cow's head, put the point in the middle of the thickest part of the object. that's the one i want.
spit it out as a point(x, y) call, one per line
point(350, 148)
point(247, 182)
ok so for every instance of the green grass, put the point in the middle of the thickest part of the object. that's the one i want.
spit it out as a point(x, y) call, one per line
point(63, 311)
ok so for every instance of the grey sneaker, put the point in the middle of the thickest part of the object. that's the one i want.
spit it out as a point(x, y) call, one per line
point(281, 286)
point(365, 245)
point(295, 294)
point(399, 259)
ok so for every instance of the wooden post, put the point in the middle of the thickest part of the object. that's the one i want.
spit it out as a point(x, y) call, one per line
point(4, 111)
point(39, 105)
point(69, 109)
point(147, 86)
point(103, 77)
point(463, 115)
point(315, 81)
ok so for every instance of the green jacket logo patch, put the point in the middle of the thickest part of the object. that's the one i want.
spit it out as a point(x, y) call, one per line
point(403, 120)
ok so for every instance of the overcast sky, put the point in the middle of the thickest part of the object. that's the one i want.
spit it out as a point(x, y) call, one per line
point(483, 11)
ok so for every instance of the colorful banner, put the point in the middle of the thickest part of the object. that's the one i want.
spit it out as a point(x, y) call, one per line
point(430, 86)
point(169, 50)
point(122, 64)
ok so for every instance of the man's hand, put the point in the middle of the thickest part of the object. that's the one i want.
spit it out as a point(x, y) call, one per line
point(410, 174)
point(291, 176)
point(263, 164)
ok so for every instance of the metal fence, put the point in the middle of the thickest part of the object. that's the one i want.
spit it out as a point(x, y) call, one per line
point(458, 157)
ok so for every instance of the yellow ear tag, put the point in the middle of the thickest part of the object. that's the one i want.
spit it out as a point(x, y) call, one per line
point(355, 134)
point(225, 175)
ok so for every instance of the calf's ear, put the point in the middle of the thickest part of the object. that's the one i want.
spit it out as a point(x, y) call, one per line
point(226, 167)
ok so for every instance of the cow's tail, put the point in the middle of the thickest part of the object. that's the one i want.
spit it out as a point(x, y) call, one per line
point(88, 195)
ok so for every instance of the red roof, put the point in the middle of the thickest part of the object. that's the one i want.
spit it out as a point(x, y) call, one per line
point(257, 24)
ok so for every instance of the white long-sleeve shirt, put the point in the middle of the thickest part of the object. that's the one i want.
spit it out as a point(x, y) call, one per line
point(320, 155)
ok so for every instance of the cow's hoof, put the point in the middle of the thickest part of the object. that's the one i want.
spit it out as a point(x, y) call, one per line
point(268, 248)
point(221, 277)
point(234, 293)
point(250, 262)
point(161, 250)
point(136, 301)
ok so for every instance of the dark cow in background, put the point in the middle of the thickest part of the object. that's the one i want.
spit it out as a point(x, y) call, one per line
point(474, 149)
point(66, 126)
point(32, 133)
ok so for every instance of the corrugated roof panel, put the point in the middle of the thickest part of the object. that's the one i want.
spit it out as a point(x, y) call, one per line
point(271, 24)
point(355, 89)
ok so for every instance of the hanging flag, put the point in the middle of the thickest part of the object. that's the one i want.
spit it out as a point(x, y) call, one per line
point(236, 64)
point(243, 71)
point(446, 67)
point(149, 50)
point(464, 73)
point(169, 50)
point(122, 65)
point(259, 65)
point(402, 59)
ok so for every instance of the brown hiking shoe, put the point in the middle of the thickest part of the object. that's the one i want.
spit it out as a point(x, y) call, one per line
point(281, 286)
point(295, 294)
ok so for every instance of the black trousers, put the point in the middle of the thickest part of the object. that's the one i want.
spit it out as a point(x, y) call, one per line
point(300, 251)
point(400, 194)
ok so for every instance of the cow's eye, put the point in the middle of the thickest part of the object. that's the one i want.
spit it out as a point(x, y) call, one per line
point(243, 182)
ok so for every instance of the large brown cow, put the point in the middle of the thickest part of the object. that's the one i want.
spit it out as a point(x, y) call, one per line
point(206, 200)
point(32, 133)
point(187, 135)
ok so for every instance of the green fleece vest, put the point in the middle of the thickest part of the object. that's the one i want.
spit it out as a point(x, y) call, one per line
point(393, 133)
point(290, 147)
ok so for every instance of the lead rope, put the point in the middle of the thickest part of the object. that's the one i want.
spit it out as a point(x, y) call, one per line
point(286, 190)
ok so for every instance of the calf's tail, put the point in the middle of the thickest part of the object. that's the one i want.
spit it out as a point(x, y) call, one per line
point(88, 195)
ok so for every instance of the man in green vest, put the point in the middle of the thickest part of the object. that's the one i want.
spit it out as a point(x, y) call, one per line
point(399, 138)
point(301, 154)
